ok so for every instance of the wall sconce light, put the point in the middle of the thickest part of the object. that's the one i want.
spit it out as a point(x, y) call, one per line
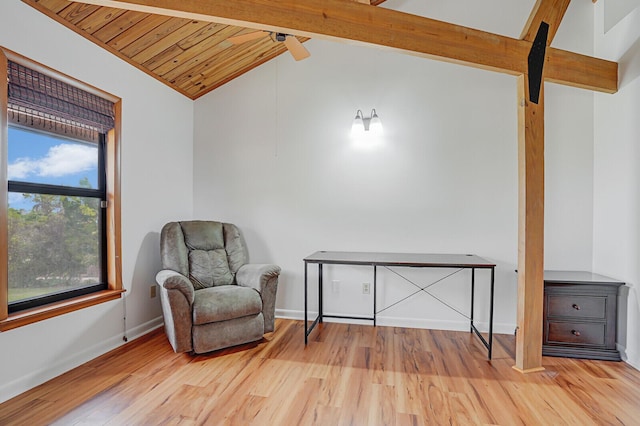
point(363, 124)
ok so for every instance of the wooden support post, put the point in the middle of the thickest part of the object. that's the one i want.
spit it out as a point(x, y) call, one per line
point(530, 229)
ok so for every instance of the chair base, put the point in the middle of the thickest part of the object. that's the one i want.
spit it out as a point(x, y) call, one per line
point(219, 335)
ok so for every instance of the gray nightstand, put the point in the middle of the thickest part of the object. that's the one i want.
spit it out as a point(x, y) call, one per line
point(580, 314)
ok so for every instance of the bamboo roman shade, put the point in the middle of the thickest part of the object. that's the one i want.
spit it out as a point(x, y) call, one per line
point(43, 102)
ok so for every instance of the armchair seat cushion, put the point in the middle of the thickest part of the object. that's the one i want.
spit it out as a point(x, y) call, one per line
point(225, 302)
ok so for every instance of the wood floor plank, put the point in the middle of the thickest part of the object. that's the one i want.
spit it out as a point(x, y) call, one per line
point(247, 411)
point(381, 407)
point(354, 408)
point(462, 410)
point(346, 375)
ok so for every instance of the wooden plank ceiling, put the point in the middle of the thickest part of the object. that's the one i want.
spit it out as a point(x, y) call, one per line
point(190, 56)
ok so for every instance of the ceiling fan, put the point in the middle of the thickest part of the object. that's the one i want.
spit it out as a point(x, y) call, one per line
point(291, 42)
point(297, 50)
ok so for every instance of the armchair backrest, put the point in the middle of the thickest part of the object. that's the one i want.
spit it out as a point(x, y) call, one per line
point(209, 253)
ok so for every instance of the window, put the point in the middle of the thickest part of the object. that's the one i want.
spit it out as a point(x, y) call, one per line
point(59, 203)
point(56, 225)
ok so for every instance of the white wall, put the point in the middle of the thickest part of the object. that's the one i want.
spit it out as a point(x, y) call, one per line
point(157, 134)
point(617, 174)
point(569, 154)
point(272, 153)
point(616, 10)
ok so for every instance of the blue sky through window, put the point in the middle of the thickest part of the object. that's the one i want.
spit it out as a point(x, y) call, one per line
point(42, 158)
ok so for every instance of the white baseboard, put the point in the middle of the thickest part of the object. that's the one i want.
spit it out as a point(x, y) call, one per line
point(631, 358)
point(35, 378)
point(146, 328)
point(433, 324)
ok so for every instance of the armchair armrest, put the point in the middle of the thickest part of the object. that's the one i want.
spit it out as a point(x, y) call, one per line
point(176, 296)
point(264, 279)
point(256, 276)
point(172, 280)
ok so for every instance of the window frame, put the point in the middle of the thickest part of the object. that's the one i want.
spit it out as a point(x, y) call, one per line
point(113, 265)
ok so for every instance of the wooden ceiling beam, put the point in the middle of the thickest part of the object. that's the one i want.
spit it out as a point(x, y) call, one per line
point(354, 22)
point(549, 11)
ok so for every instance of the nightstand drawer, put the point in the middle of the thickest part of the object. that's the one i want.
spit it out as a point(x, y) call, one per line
point(567, 305)
point(575, 332)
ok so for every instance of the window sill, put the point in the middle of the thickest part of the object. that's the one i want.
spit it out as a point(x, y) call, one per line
point(29, 316)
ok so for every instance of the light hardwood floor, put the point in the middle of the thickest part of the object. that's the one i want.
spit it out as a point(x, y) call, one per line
point(348, 374)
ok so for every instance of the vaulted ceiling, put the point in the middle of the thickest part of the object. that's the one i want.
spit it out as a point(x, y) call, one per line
point(185, 43)
point(191, 56)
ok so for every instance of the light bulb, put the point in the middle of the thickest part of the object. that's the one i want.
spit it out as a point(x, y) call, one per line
point(357, 127)
point(375, 125)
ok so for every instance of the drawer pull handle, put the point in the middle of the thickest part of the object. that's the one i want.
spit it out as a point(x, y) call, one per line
point(575, 332)
point(576, 307)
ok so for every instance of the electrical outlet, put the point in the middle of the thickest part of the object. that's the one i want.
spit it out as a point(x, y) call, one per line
point(335, 286)
point(152, 291)
point(366, 288)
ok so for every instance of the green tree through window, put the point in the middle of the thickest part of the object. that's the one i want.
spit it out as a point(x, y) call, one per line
point(55, 222)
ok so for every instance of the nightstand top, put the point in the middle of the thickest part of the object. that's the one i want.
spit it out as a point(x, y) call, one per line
point(578, 277)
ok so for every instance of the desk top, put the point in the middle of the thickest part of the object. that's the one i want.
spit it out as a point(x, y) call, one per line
point(400, 259)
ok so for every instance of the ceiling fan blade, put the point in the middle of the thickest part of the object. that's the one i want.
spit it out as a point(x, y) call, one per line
point(297, 50)
point(243, 38)
point(364, 1)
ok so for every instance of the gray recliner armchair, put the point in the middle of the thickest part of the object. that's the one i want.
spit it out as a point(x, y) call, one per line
point(211, 297)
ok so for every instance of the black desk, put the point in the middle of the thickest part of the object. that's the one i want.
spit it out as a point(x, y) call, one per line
point(416, 260)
